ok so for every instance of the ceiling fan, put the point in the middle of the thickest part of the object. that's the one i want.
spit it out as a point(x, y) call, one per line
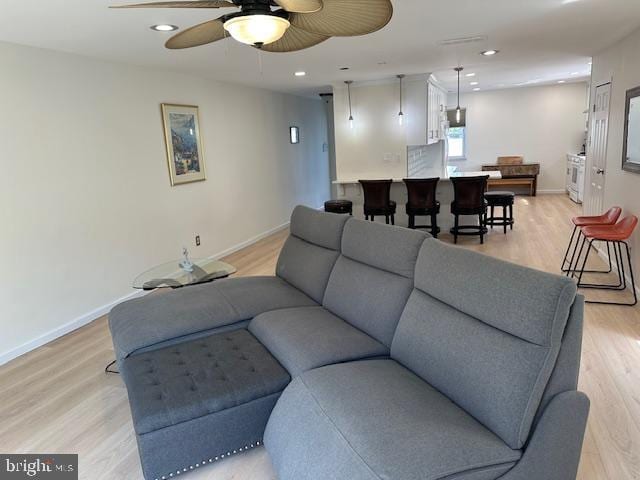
point(296, 25)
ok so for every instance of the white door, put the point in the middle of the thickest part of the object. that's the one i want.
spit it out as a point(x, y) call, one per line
point(597, 155)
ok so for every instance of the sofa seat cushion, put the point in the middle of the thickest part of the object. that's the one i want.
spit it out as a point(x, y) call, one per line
point(156, 318)
point(374, 419)
point(311, 337)
point(197, 378)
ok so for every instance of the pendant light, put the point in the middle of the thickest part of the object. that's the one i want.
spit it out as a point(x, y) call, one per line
point(458, 109)
point(349, 82)
point(400, 115)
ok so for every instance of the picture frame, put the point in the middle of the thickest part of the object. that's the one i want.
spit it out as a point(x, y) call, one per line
point(294, 135)
point(631, 141)
point(185, 154)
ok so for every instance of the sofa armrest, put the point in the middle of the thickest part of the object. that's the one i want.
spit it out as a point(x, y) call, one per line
point(554, 448)
point(162, 316)
point(157, 318)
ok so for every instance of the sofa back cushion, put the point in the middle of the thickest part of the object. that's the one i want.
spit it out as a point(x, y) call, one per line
point(485, 333)
point(311, 251)
point(373, 277)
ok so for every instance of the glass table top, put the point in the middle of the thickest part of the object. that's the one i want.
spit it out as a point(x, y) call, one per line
point(172, 275)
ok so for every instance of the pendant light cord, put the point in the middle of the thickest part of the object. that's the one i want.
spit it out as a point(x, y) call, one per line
point(401, 94)
point(458, 87)
point(458, 109)
point(349, 94)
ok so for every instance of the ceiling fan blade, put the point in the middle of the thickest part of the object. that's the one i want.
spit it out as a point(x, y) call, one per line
point(300, 6)
point(293, 40)
point(197, 4)
point(345, 18)
point(201, 34)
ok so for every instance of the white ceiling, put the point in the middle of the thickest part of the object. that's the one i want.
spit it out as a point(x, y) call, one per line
point(540, 41)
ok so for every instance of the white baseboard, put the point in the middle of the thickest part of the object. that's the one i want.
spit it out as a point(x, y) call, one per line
point(62, 330)
point(251, 241)
point(104, 309)
point(551, 192)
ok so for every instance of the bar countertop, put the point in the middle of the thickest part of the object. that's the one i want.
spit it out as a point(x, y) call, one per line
point(493, 174)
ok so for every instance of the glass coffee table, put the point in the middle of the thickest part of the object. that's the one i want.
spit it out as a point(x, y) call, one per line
point(172, 275)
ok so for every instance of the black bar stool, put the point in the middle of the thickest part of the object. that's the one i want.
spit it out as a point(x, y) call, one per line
point(468, 199)
point(504, 200)
point(421, 194)
point(377, 200)
point(339, 206)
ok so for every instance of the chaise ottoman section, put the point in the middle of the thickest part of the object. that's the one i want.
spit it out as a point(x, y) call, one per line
point(201, 401)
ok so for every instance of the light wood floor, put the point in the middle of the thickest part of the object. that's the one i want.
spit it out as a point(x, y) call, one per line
point(57, 398)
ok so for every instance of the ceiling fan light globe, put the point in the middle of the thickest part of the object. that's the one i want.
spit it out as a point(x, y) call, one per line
point(257, 29)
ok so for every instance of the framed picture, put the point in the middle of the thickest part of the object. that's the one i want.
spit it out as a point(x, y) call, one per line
point(631, 144)
point(184, 144)
point(294, 135)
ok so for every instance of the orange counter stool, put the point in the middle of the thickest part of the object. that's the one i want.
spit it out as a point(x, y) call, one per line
point(610, 217)
point(616, 236)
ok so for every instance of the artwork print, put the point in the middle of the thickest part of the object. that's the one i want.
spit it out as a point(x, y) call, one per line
point(184, 145)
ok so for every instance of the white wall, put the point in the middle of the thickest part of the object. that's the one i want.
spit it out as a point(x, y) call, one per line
point(85, 200)
point(620, 65)
point(541, 123)
point(376, 147)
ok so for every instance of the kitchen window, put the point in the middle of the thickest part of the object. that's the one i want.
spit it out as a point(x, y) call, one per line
point(457, 135)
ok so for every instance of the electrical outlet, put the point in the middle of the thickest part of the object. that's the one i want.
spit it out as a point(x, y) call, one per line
point(197, 240)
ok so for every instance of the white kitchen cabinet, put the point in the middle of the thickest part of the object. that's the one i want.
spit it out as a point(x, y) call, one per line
point(425, 111)
point(437, 107)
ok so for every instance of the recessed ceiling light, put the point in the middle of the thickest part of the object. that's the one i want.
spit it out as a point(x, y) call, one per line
point(300, 74)
point(575, 73)
point(163, 27)
point(470, 75)
point(562, 81)
point(489, 53)
point(476, 89)
point(473, 83)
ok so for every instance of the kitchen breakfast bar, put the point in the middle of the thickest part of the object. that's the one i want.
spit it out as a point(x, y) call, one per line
point(350, 189)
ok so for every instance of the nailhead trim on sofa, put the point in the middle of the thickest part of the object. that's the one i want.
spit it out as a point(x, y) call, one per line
point(211, 460)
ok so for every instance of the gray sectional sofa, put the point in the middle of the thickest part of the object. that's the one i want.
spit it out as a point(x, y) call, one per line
point(375, 352)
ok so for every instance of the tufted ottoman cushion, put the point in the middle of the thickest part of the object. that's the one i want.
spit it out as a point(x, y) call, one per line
point(199, 401)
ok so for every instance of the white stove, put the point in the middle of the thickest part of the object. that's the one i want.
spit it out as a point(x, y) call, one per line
point(576, 169)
